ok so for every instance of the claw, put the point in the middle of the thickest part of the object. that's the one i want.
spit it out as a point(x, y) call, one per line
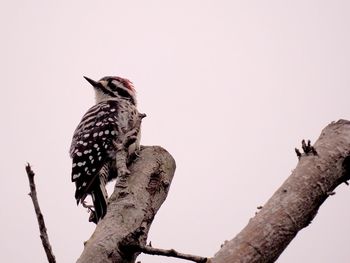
point(89, 207)
point(92, 217)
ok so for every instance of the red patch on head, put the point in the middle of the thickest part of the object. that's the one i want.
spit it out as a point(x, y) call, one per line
point(127, 83)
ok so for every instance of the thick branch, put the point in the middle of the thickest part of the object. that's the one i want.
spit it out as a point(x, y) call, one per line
point(43, 232)
point(296, 202)
point(131, 208)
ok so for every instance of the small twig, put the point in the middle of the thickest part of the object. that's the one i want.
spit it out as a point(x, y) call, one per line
point(169, 253)
point(307, 148)
point(298, 153)
point(130, 245)
point(304, 146)
point(43, 232)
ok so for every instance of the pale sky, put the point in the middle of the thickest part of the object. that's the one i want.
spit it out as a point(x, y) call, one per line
point(230, 88)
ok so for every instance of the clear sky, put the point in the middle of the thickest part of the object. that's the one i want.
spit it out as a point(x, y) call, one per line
point(229, 88)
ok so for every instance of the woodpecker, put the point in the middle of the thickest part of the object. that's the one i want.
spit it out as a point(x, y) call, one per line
point(108, 130)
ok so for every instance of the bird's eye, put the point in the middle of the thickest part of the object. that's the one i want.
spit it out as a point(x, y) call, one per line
point(111, 85)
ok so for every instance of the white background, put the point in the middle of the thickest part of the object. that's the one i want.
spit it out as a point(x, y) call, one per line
point(229, 87)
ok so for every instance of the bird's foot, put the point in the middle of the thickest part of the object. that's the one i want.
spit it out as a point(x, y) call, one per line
point(86, 205)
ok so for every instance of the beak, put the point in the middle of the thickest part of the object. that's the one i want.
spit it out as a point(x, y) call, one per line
point(95, 84)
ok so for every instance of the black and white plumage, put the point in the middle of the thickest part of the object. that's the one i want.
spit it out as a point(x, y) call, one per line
point(94, 149)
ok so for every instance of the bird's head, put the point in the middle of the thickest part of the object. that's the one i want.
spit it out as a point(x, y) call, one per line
point(113, 87)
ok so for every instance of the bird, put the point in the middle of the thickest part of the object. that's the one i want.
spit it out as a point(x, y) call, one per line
point(106, 132)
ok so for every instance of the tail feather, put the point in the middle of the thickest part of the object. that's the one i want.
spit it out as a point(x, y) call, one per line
point(99, 199)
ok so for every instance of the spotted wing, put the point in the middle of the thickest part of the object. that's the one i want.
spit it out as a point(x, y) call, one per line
point(92, 144)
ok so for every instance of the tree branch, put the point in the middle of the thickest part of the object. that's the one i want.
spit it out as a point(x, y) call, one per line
point(296, 202)
point(131, 208)
point(168, 253)
point(43, 232)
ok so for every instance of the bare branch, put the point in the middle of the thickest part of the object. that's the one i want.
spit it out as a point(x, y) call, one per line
point(168, 253)
point(294, 205)
point(131, 208)
point(131, 245)
point(43, 231)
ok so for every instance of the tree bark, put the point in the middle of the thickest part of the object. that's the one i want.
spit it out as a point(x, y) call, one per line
point(131, 208)
point(296, 202)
